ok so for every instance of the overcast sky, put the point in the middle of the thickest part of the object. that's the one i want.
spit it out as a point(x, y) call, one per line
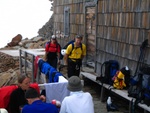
point(23, 17)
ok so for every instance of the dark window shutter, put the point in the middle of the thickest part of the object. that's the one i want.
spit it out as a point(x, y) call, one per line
point(66, 21)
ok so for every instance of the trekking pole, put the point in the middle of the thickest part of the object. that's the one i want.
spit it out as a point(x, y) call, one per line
point(142, 48)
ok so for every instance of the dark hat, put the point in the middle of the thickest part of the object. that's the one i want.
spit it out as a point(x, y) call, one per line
point(74, 84)
point(31, 93)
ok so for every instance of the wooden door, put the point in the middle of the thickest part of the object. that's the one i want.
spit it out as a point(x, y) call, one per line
point(90, 31)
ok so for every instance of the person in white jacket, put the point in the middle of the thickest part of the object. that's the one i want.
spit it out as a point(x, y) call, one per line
point(78, 101)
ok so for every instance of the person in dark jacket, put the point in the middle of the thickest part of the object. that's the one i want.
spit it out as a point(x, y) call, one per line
point(36, 105)
point(17, 97)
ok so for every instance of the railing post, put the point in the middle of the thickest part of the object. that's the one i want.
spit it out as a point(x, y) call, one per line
point(33, 57)
point(25, 57)
point(20, 61)
point(38, 76)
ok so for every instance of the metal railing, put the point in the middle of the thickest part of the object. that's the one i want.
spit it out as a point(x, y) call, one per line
point(26, 60)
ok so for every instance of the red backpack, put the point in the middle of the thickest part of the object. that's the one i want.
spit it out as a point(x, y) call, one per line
point(6, 91)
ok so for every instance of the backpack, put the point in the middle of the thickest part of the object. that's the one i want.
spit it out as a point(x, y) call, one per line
point(110, 68)
point(118, 80)
point(70, 42)
point(49, 42)
point(121, 79)
point(136, 89)
point(65, 47)
point(141, 90)
point(52, 54)
point(140, 87)
point(146, 84)
point(127, 72)
point(6, 91)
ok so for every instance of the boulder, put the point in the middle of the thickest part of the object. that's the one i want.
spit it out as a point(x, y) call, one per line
point(15, 40)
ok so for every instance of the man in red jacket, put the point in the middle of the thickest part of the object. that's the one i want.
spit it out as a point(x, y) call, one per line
point(52, 52)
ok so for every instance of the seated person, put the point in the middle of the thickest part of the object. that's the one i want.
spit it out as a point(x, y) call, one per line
point(17, 97)
point(78, 101)
point(36, 105)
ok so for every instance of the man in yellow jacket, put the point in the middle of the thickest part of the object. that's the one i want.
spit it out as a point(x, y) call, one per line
point(75, 52)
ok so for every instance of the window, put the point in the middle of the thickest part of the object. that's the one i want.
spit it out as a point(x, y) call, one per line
point(66, 21)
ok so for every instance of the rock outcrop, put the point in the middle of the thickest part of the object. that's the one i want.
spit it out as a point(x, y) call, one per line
point(47, 29)
point(15, 40)
point(9, 65)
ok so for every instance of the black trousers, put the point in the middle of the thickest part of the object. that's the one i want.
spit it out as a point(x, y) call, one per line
point(73, 68)
point(53, 62)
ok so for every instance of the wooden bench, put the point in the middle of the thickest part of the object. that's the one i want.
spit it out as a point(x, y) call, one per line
point(121, 93)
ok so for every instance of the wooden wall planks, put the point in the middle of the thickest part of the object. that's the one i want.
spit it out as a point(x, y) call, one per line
point(121, 27)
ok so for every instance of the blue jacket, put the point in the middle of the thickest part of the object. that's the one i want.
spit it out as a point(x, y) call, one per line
point(54, 75)
point(40, 107)
point(44, 67)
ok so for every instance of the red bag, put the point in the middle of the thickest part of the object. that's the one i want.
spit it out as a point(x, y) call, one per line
point(6, 91)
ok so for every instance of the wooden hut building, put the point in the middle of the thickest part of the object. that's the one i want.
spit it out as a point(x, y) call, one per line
point(112, 29)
